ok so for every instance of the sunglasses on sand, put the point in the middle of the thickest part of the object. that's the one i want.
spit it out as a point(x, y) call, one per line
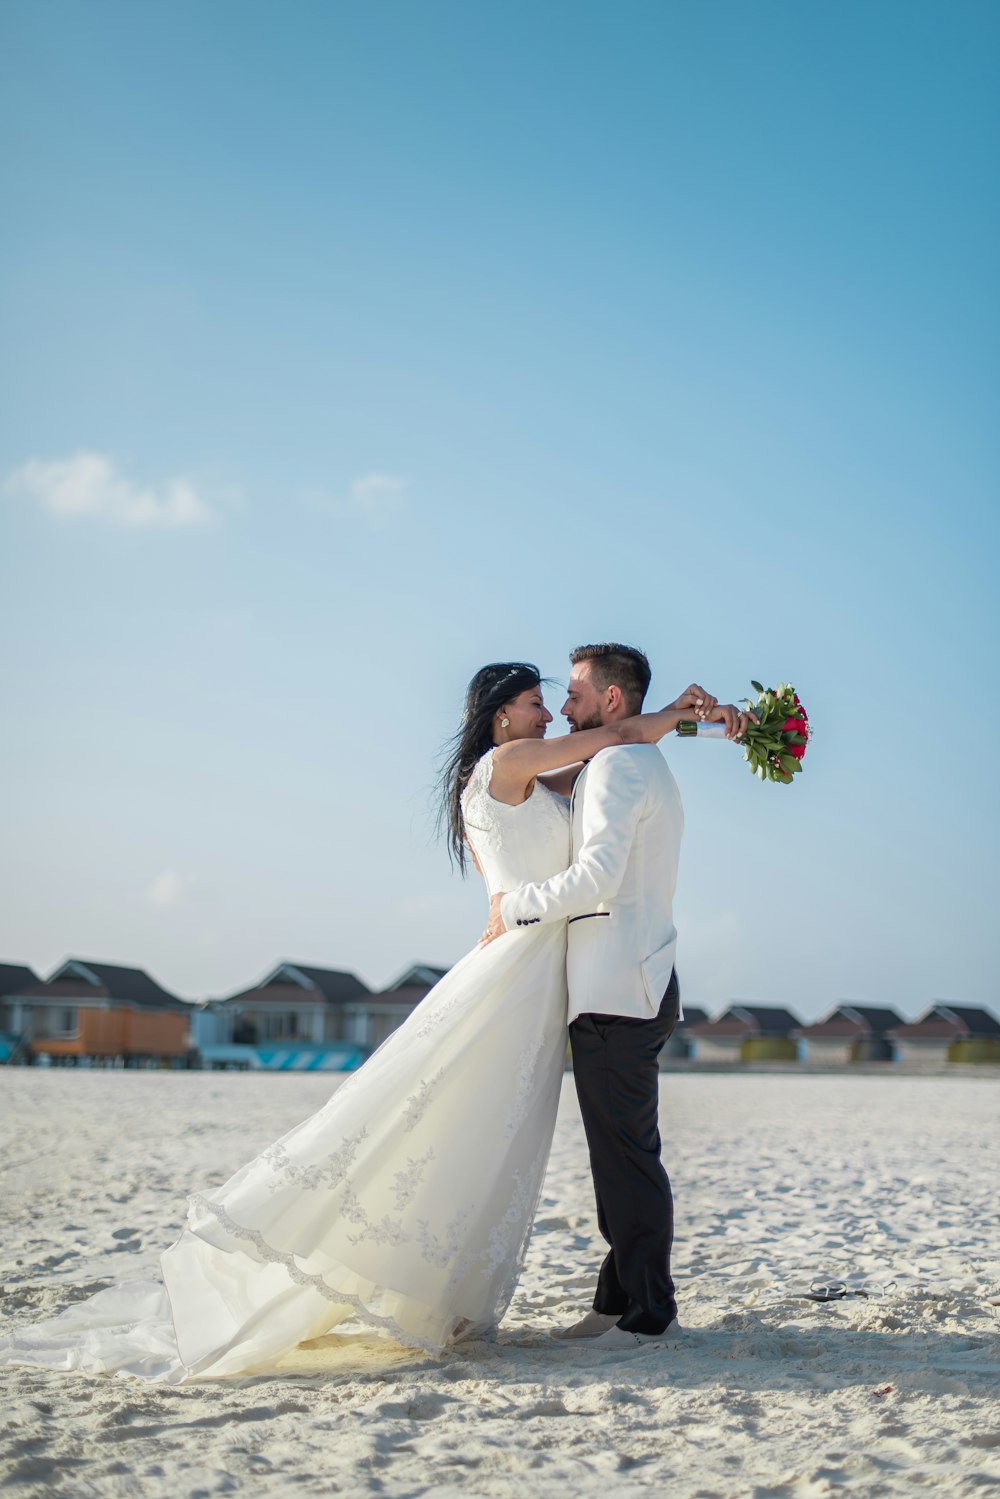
point(838, 1290)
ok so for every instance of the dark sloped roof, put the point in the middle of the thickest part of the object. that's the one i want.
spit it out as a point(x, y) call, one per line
point(740, 1019)
point(336, 984)
point(16, 976)
point(878, 1017)
point(332, 986)
point(694, 1016)
point(870, 1021)
point(943, 1022)
point(770, 1020)
point(978, 1021)
point(421, 973)
point(292, 995)
point(132, 986)
point(67, 989)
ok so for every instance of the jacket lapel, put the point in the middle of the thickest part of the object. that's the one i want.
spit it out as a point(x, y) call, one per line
point(577, 784)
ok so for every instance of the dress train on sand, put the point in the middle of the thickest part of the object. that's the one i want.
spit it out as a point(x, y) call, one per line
point(405, 1202)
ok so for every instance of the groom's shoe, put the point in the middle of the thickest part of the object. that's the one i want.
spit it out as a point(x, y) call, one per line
point(617, 1337)
point(591, 1326)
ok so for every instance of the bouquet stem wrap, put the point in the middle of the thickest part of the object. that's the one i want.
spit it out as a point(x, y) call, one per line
point(775, 746)
point(688, 730)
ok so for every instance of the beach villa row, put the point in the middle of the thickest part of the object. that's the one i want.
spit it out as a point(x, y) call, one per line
point(300, 1017)
point(297, 1018)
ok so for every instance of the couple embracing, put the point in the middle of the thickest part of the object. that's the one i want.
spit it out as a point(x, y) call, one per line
point(406, 1201)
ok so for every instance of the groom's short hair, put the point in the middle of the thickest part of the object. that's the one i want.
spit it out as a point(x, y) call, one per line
point(614, 665)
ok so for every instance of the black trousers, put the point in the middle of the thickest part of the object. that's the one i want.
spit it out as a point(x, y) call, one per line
point(616, 1067)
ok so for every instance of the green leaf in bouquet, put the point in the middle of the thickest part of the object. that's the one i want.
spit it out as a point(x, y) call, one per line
point(788, 762)
point(756, 686)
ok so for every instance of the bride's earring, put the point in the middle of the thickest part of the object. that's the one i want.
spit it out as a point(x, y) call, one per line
point(505, 723)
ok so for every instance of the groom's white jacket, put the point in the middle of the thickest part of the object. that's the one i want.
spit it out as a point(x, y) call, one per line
point(618, 892)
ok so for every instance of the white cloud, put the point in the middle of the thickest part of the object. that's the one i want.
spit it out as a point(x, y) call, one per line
point(378, 496)
point(168, 889)
point(88, 486)
point(375, 498)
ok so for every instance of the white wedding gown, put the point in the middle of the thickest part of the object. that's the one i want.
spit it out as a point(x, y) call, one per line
point(406, 1201)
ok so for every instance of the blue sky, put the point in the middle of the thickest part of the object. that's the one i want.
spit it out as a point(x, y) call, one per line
point(348, 347)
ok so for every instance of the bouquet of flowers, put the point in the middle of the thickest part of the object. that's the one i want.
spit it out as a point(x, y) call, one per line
point(774, 747)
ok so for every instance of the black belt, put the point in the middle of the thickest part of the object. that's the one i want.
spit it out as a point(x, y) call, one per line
point(589, 916)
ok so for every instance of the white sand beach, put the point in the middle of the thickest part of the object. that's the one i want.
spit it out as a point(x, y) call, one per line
point(778, 1180)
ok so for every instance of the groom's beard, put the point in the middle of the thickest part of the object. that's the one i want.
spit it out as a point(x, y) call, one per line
point(595, 721)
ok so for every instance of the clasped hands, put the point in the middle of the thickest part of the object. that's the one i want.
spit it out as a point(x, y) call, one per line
point(707, 709)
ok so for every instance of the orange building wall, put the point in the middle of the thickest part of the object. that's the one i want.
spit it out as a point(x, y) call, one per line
point(122, 1032)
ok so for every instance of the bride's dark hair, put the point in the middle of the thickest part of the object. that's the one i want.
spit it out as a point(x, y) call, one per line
point(490, 689)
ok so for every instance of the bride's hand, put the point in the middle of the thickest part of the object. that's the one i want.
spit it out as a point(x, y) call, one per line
point(495, 927)
point(697, 699)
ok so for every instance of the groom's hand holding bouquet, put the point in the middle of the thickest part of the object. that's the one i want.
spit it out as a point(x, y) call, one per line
point(708, 709)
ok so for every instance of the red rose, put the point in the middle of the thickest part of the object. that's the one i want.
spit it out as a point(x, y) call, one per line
point(795, 726)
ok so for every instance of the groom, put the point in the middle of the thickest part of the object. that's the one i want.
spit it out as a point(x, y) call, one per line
point(624, 999)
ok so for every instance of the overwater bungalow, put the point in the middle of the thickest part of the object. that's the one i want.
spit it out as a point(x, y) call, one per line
point(86, 1013)
point(949, 1033)
point(851, 1033)
point(747, 1033)
point(14, 978)
point(303, 1018)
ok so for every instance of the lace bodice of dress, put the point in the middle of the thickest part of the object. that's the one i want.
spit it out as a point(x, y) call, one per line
point(515, 845)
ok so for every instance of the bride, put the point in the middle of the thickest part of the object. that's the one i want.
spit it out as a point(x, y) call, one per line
point(406, 1201)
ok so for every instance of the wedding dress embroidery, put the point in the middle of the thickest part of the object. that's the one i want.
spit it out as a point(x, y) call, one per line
point(406, 1182)
point(384, 1232)
point(508, 1238)
point(516, 1224)
point(495, 821)
point(479, 809)
point(522, 1092)
point(442, 1251)
point(329, 1172)
point(417, 1106)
